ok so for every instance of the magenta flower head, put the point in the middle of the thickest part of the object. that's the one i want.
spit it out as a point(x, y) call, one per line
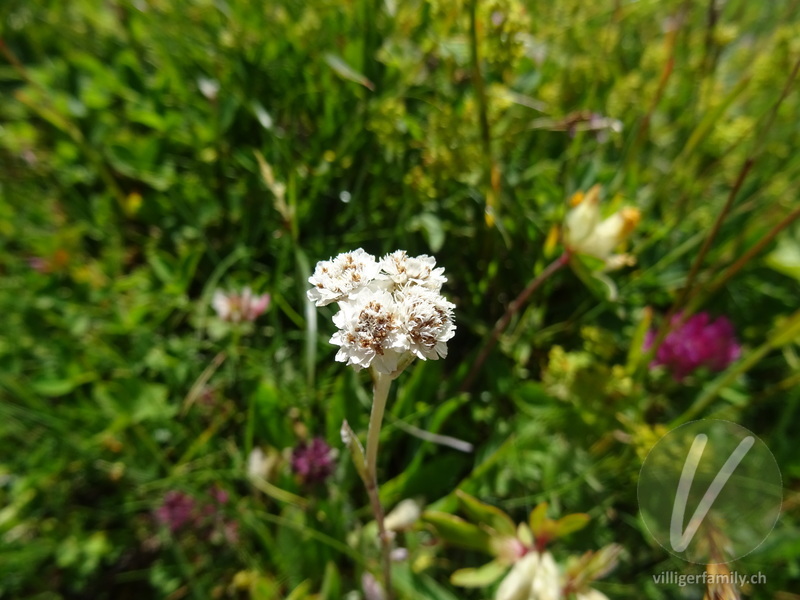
point(313, 461)
point(699, 342)
point(176, 511)
point(180, 511)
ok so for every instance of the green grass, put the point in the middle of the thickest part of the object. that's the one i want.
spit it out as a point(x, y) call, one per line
point(153, 151)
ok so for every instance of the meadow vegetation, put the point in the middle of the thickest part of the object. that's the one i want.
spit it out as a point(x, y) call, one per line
point(157, 154)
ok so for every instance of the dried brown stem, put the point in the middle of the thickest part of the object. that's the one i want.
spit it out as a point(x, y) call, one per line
point(512, 309)
point(750, 254)
point(737, 186)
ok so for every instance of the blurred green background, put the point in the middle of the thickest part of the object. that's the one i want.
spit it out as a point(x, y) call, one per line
point(153, 151)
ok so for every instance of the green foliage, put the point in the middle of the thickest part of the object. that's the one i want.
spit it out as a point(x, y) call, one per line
point(152, 152)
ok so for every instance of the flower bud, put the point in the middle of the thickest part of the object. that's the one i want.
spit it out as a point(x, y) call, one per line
point(403, 516)
point(585, 233)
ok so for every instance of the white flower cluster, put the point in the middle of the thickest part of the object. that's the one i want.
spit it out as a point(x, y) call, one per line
point(535, 576)
point(391, 310)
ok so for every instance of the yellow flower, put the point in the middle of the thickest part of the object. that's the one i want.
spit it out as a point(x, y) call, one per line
point(586, 233)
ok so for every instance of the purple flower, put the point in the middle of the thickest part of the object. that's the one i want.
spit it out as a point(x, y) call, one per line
point(219, 495)
point(372, 589)
point(313, 461)
point(37, 263)
point(212, 510)
point(699, 342)
point(178, 510)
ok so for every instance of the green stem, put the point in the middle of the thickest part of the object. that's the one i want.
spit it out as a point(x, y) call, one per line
point(680, 301)
point(383, 383)
point(380, 395)
point(744, 259)
point(721, 383)
point(785, 333)
point(746, 167)
point(491, 173)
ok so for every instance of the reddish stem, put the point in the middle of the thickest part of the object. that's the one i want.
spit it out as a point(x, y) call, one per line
point(512, 309)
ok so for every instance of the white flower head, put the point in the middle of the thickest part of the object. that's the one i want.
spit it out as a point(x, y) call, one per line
point(591, 594)
point(428, 320)
point(391, 311)
point(222, 305)
point(371, 331)
point(517, 584)
point(583, 218)
point(535, 576)
point(546, 584)
point(257, 464)
point(336, 279)
point(402, 269)
point(609, 234)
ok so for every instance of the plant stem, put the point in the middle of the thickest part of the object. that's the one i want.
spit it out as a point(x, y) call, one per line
point(719, 384)
point(380, 395)
point(746, 258)
point(785, 333)
point(492, 173)
point(512, 309)
point(737, 186)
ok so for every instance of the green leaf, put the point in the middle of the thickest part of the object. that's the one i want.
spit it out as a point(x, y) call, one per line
point(537, 518)
point(787, 332)
point(786, 258)
point(264, 588)
point(151, 404)
point(524, 534)
point(53, 387)
point(586, 268)
point(455, 530)
point(269, 402)
point(300, 592)
point(413, 586)
point(347, 72)
point(131, 401)
point(356, 451)
point(571, 523)
point(160, 265)
point(228, 107)
point(636, 350)
point(264, 118)
point(431, 227)
point(486, 514)
point(593, 565)
point(331, 583)
point(480, 577)
point(710, 119)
